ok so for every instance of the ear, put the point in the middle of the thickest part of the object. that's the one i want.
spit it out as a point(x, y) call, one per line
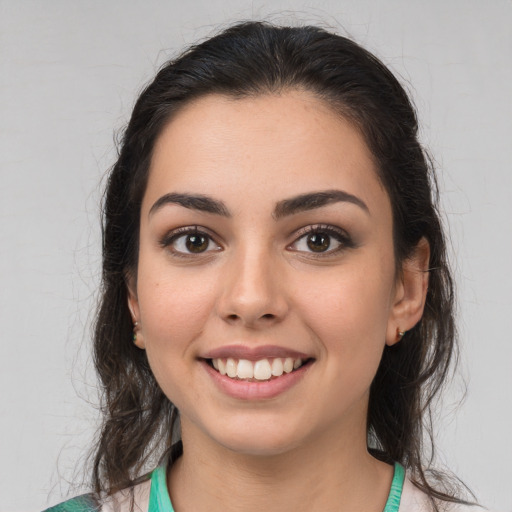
point(133, 306)
point(410, 293)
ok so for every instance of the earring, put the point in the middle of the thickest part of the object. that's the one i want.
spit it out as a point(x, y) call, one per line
point(134, 337)
point(399, 334)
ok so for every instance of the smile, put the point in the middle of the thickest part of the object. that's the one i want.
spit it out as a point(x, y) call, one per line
point(255, 373)
point(260, 370)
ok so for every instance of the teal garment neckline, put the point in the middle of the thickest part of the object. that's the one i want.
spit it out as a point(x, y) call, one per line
point(395, 493)
point(159, 500)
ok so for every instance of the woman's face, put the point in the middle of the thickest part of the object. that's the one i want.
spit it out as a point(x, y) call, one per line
point(265, 243)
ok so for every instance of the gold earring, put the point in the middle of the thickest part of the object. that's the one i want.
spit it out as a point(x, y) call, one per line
point(134, 337)
point(399, 334)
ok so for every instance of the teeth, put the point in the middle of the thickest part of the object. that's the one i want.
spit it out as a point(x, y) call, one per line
point(231, 367)
point(288, 365)
point(262, 369)
point(277, 367)
point(245, 369)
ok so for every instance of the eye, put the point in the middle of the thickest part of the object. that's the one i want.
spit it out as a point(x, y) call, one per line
point(188, 241)
point(321, 240)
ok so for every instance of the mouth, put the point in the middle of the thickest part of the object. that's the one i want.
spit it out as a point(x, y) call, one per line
point(260, 370)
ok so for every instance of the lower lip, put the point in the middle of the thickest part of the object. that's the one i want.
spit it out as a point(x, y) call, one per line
point(245, 390)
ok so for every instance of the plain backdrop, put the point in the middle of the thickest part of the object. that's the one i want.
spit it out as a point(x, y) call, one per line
point(69, 74)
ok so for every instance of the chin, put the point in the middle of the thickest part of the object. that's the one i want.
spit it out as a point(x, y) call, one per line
point(258, 447)
point(260, 440)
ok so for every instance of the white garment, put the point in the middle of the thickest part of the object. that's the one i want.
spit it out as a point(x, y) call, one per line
point(415, 500)
point(121, 501)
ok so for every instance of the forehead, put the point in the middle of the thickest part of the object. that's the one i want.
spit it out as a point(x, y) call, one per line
point(263, 148)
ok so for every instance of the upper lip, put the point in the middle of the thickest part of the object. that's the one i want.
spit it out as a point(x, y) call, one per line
point(253, 353)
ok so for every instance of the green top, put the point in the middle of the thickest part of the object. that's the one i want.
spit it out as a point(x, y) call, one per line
point(159, 500)
point(84, 503)
point(395, 493)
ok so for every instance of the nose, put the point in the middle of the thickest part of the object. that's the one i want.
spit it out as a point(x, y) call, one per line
point(253, 290)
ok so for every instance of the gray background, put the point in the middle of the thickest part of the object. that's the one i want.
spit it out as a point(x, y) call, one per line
point(69, 73)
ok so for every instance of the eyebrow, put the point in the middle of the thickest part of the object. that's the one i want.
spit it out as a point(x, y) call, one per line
point(193, 202)
point(284, 208)
point(315, 200)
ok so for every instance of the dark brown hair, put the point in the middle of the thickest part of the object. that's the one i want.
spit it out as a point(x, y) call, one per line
point(252, 59)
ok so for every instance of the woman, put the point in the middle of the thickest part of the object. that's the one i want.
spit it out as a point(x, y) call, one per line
point(277, 306)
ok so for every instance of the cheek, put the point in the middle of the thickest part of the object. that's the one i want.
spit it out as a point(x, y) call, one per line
point(174, 306)
point(174, 312)
point(358, 303)
point(348, 321)
point(348, 309)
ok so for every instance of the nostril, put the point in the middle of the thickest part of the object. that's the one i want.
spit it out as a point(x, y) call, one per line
point(268, 316)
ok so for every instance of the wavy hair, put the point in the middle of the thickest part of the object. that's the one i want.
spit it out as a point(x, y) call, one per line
point(252, 59)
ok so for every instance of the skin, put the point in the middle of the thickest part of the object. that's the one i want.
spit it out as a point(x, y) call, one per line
point(259, 283)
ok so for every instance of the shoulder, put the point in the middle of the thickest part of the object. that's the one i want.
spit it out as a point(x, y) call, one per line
point(415, 500)
point(84, 503)
point(135, 498)
point(122, 501)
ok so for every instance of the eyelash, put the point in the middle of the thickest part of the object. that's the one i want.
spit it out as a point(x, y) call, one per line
point(341, 236)
point(170, 238)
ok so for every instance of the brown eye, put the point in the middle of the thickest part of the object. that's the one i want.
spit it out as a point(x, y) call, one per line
point(322, 240)
point(189, 241)
point(318, 242)
point(197, 243)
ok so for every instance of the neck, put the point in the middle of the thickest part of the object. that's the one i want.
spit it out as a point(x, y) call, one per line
point(329, 473)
